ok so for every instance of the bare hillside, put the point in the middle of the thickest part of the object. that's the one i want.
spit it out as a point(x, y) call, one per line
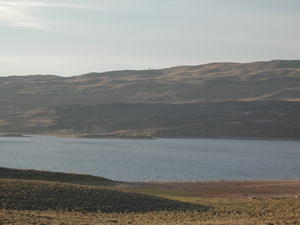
point(273, 80)
point(259, 99)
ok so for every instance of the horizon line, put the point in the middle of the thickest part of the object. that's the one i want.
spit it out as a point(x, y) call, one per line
point(149, 69)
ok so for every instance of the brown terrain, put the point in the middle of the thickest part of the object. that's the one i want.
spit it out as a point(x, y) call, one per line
point(250, 100)
point(261, 189)
point(31, 197)
point(232, 100)
point(272, 80)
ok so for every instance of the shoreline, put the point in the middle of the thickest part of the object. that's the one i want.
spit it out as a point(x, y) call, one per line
point(144, 182)
point(144, 137)
point(166, 182)
point(252, 189)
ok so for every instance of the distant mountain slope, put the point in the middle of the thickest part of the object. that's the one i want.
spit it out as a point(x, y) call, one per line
point(272, 80)
point(260, 99)
point(260, 119)
point(251, 119)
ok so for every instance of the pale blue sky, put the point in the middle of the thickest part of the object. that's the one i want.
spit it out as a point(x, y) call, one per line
point(71, 37)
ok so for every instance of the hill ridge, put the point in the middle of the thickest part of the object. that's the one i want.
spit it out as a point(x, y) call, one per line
point(34, 103)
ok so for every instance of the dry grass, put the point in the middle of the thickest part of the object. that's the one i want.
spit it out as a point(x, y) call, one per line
point(225, 212)
point(206, 203)
point(41, 195)
point(271, 189)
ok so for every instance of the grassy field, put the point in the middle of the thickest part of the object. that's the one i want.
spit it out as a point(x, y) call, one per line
point(64, 200)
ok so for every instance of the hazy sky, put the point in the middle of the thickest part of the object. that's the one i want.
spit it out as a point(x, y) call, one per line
point(71, 37)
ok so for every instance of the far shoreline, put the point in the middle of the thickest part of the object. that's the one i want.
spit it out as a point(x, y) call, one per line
point(100, 136)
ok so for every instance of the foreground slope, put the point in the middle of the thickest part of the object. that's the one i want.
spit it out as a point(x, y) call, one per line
point(82, 179)
point(43, 202)
point(35, 190)
point(41, 195)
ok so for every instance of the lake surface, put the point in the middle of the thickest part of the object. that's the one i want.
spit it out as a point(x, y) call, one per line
point(156, 160)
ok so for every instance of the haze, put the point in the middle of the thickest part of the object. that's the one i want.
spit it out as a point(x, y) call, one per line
point(72, 37)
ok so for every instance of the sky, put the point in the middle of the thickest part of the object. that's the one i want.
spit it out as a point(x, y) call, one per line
point(72, 37)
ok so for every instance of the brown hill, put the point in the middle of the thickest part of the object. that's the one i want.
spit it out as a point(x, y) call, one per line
point(272, 80)
point(245, 119)
point(259, 119)
point(44, 190)
point(259, 99)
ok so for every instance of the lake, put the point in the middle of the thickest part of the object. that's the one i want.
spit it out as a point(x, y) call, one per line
point(155, 160)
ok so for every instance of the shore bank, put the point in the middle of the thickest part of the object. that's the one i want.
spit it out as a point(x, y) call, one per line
point(41, 197)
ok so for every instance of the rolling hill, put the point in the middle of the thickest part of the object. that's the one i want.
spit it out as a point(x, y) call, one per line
point(31, 197)
point(273, 80)
point(259, 99)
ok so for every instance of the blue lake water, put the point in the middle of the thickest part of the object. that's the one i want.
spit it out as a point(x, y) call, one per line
point(156, 160)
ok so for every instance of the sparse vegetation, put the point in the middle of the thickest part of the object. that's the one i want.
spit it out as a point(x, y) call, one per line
point(43, 202)
point(260, 119)
point(41, 195)
point(260, 100)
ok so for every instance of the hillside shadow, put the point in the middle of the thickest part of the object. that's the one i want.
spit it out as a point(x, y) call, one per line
point(82, 179)
point(37, 195)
